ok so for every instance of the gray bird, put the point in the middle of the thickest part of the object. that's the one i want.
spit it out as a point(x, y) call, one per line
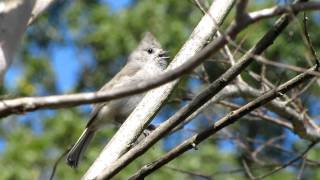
point(146, 61)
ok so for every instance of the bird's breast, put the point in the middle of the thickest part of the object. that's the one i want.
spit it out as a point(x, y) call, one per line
point(123, 107)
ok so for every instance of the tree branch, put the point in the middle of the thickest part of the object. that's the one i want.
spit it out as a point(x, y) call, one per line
point(151, 103)
point(303, 154)
point(227, 120)
point(302, 125)
point(15, 16)
point(40, 7)
point(199, 100)
point(279, 122)
point(277, 10)
point(27, 104)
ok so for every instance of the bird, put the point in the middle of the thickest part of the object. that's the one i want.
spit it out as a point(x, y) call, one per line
point(147, 60)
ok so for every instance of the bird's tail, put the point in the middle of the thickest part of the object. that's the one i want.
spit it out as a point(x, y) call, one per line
point(79, 147)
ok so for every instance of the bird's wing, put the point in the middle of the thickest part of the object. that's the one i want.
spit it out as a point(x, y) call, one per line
point(125, 73)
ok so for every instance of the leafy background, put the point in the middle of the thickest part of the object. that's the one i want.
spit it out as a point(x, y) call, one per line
point(79, 45)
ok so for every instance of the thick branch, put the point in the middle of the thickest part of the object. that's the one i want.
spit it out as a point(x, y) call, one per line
point(16, 106)
point(201, 99)
point(40, 7)
point(227, 120)
point(136, 122)
point(14, 18)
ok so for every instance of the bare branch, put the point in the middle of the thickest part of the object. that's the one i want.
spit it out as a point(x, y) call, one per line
point(277, 10)
point(27, 104)
point(247, 169)
point(190, 173)
point(220, 124)
point(305, 129)
point(14, 18)
point(273, 120)
point(40, 7)
point(281, 65)
point(151, 103)
point(290, 162)
point(241, 9)
point(229, 91)
point(199, 100)
point(296, 95)
point(307, 36)
point(270, 141)
point(303, 164)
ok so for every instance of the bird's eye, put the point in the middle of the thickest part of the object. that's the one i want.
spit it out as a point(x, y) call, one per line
point(150, 51)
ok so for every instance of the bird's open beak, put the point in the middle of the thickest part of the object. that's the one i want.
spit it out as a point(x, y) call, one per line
point(163, 54)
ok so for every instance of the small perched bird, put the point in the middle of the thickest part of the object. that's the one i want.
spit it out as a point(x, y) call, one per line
point(147, 60)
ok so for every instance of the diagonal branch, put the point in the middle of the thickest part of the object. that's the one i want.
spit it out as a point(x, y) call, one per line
point(277, 121)
point(200, 100)
point(27, 104)
point(227, 120)
point(302, 155)
point(151, 103)
point(305, 129)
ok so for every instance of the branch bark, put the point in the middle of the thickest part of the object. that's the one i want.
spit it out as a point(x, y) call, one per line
point(202, 98)
point(227, 120)
point(302, 125)
point(134, 125)
point(15, 16)
point(28, 104)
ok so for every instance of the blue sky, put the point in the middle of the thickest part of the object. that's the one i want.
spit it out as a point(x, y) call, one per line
point(67, 76)
point(64, 58)
point(65, 63)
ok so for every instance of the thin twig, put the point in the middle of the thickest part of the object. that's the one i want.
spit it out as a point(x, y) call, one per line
point(200, 175)
point(296, 95)
point(270, 141)
point(282, 65)
point(290, 162)
point(303, 164)
point(27, 104)
point(203, 97)
point(247, 169)
point(276, 121)
point(220, 124)
point(307, 36)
